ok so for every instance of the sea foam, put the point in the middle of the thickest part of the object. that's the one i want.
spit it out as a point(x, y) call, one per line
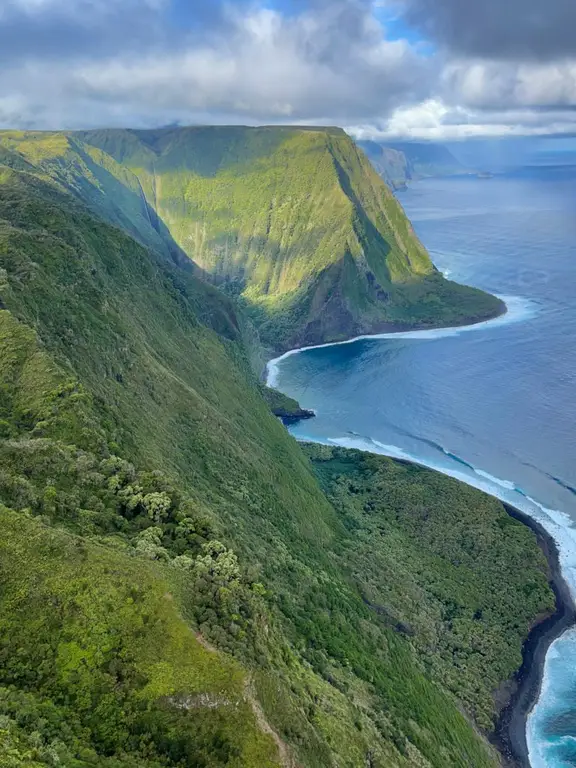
point(518, 309)
point(556, 702)
point(559, 660)
point(557, 523)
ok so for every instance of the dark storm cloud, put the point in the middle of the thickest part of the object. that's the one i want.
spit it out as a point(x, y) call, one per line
point(55, 37)
point(60, 29)
point(541, 30)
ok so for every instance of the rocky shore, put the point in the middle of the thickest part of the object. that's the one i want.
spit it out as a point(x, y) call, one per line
point(510, 733)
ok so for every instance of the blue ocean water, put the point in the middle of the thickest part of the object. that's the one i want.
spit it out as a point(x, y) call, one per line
point(494, 405)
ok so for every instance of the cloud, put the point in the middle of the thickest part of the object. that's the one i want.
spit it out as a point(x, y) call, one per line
point(355, 63)
point(504, 67)
point(522, 30)
point(434, 120)
point(493, 85)
point(328, 62)
point(58, 30)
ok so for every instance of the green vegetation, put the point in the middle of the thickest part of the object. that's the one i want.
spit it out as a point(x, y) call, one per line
point(286, 408)
point(442, 563)
point(294, 223)
point(152, 507)
point(98, 668)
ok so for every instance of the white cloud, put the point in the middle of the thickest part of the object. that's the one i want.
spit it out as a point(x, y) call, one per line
point(82, 63)
point(266, 66)
point(433, 120)
point(498, 84)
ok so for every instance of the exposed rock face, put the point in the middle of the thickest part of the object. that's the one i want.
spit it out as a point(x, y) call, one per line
point(293, 417)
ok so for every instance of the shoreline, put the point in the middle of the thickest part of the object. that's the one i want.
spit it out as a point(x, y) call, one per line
point(391, 331)
point(509, 736)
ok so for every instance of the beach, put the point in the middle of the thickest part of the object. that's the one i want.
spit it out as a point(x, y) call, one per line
point(510, 733)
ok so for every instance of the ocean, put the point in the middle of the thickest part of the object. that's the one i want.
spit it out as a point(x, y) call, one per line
point(493, 405)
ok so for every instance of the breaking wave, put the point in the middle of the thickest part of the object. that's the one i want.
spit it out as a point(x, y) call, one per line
point(517, 310)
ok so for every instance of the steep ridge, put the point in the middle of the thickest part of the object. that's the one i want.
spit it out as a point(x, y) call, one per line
point(148, 494)
point(391, 164)
point(295, 223)
point(429, 158)
point(111, 191)
point(401, 162)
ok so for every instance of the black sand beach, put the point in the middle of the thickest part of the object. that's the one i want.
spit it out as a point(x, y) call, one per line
point(522, 691)
point(510, 733)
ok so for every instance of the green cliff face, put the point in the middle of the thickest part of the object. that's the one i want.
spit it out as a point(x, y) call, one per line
point(295, 223)
point(182, 585)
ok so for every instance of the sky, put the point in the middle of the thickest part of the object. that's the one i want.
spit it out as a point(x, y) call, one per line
point(419, 69)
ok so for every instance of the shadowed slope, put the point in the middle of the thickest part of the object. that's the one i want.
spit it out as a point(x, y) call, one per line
point(298, 224)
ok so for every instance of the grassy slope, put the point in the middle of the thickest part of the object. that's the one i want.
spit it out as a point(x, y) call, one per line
point(279, 403)
point(107, 351)
point(111, 191)
point(295, 221)
point(106, 671)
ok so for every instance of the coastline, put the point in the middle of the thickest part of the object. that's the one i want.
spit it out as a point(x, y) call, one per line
point(509, 736)
point(509, 313)
point(523, 688)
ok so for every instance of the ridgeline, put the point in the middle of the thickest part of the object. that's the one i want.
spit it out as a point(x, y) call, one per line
point(401, 162)
point(296, 224)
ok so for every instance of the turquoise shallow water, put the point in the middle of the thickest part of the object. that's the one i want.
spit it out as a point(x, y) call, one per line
point(494, 405)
